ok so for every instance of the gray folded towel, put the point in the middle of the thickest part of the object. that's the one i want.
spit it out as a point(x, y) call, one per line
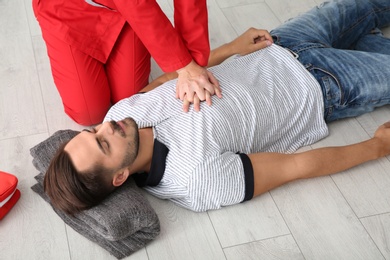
point(123, 223)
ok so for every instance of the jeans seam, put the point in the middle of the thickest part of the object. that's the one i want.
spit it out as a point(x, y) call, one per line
point(297, 50)
point(363, 18)
point(311, 67)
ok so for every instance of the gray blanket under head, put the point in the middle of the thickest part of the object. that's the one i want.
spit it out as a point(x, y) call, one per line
point(123, 223)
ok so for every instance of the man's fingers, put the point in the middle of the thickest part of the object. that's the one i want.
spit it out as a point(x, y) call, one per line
point(263, 35)
point(263, 40)
point(261, 45)
point(259, 39)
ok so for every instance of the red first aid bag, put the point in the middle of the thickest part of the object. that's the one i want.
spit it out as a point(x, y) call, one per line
point(9, 195)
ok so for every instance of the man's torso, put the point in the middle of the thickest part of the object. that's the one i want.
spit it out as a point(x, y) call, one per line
point(270, 104)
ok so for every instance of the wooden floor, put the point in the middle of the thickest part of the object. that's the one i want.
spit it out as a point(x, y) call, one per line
point(344, 216)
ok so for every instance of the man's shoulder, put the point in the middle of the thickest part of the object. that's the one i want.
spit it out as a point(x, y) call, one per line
point(147, 109)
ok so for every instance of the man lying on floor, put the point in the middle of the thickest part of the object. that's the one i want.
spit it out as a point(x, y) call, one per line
point(328, 64)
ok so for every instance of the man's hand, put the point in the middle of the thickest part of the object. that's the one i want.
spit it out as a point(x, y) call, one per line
point(196, 84)
point(382, 134)
point(251, 40)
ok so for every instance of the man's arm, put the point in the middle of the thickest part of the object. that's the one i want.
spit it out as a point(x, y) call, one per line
point(248, 42)
point(273, 169)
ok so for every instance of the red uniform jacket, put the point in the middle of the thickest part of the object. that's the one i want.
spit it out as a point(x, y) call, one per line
point(94, 30)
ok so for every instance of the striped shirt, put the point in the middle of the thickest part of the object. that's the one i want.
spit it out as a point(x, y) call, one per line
point(270, 104)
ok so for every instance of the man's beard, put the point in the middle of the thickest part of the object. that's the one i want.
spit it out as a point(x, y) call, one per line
point(133, 144)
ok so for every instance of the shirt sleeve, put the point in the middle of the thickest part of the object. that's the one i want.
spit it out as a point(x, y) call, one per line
point(167, 45)
point(221, 181)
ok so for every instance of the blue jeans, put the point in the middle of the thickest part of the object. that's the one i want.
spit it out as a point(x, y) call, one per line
point(340, 44)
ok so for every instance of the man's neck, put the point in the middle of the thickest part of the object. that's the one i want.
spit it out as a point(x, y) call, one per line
point(145, 152)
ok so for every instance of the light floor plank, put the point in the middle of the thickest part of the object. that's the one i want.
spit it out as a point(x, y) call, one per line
point(220, 29)
point(253, 220)
point(33, 25)
point(13, 18)
point(184, 234)
point(378, 227)
point(22, 111)
point(255, 15)
point(283, 247)
point(235, 3)
point(31, 230)
point(322, 222)
point(286, 10)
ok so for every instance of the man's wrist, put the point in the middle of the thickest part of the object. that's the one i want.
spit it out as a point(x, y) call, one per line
point(378, 147)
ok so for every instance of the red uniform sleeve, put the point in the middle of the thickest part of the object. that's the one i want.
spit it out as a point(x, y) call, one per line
point(171, 48)
point(191, 22)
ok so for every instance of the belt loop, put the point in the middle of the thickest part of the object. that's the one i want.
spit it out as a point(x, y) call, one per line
point(296, 55)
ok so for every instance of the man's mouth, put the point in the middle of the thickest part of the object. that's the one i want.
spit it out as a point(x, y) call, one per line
point(120, 127)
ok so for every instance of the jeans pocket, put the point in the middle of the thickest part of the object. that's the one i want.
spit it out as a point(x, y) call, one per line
point(331, 90)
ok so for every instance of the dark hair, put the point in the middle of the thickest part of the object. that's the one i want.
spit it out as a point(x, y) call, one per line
point(71, 191)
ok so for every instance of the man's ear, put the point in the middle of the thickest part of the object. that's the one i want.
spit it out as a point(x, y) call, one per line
point(120, 177)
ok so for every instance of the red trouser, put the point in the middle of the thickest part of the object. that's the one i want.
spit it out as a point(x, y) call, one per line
point(87, 86)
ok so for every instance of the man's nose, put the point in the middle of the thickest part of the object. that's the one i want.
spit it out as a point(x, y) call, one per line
point(108, 128)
